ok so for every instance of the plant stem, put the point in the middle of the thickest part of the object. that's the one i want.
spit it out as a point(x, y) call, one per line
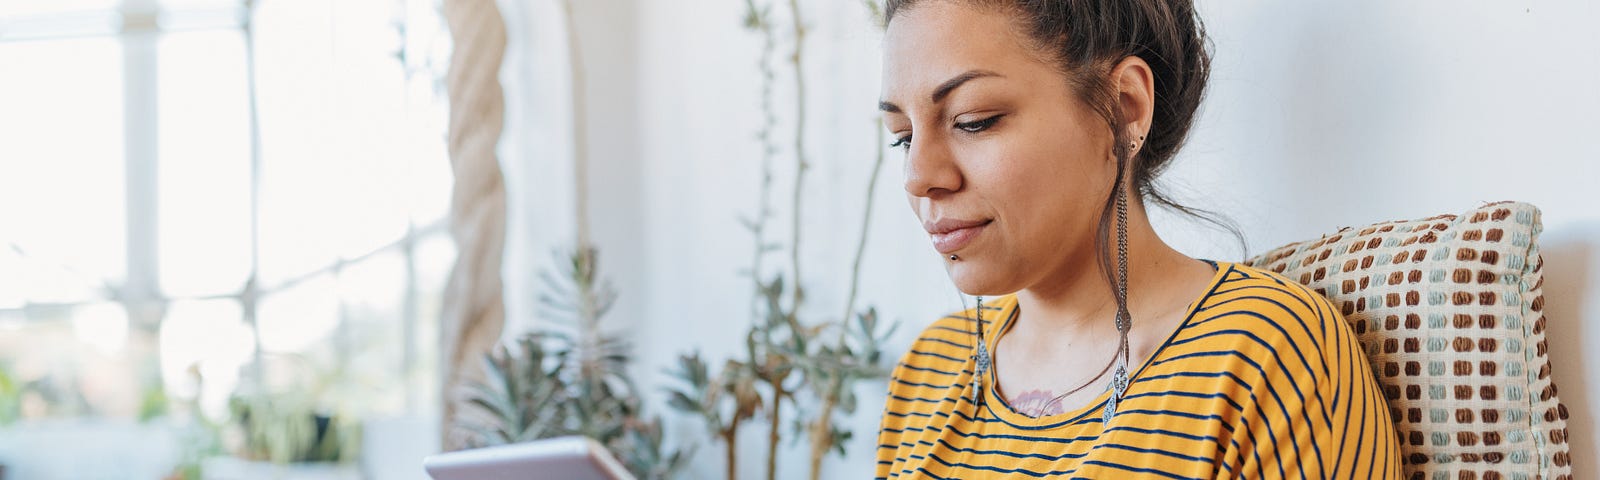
point(768, 120)
point(580, 128)
point(861, 245)
point(775, 424)
point(794, 253)
point(821, 437)
point(799, 149)
point(730, 437)
point(588, 301)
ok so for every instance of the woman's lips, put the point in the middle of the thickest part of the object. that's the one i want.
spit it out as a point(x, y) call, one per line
point(953, 240)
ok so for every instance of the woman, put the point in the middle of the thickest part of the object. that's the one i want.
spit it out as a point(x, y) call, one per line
point(1033, 130)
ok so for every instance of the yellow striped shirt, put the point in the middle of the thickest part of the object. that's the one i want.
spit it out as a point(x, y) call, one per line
point(1263, 379)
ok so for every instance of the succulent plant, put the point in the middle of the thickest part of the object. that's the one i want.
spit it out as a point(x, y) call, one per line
point(555, 383)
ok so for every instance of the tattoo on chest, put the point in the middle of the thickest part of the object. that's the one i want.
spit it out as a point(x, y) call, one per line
point(1035, 403)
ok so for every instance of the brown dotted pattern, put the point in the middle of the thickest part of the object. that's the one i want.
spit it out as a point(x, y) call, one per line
point(1450, 312)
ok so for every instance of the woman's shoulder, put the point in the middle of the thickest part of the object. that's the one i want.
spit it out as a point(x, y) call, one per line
point(1268, 306)
point(1242, 283)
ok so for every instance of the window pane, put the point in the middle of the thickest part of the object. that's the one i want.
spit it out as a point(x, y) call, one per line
point(332, 108)
point(12, 8)
point(202, 4)
point(111, 361)
point(298, 327)
point(79, 361)
point(41, 355)
point(205, 163)
point(373, 294)
point(25, 276)
point(192, 4)
point(204, 343)
point(59, 25)
point(431, 179)
point(435, 255)
point(103, 326)
point(61, 162)
point(202, 15)
point(294, 319)
point(427, 57)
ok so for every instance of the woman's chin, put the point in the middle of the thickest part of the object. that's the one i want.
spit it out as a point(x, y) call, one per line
point(974, 279)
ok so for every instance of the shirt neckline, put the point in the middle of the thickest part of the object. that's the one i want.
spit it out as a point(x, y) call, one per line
point(1010, 416)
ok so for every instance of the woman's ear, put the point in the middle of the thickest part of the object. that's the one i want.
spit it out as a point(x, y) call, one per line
point(1136, 90)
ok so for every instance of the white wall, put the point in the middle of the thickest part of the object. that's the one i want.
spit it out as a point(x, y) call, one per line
point(1321, 115)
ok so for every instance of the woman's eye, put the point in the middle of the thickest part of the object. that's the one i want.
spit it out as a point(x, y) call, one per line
point(902, 142)
point(978, 125)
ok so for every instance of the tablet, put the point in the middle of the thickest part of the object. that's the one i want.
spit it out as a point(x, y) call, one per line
point(564, 458)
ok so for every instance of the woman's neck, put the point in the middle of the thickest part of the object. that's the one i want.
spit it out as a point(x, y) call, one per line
point(1078, 301)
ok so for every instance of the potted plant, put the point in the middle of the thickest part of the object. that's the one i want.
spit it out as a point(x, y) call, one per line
point(554, 383)
point(285, 435)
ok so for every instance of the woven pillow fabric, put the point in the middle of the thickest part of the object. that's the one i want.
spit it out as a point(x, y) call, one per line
point(1450, 313)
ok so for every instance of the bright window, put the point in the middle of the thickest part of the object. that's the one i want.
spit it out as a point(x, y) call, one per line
point(168, 225)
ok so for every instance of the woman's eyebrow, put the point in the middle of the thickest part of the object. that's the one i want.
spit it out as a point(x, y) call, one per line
point(943, 89)
point(951, 84)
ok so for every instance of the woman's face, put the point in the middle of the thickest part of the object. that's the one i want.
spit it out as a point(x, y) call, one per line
point(996, 141)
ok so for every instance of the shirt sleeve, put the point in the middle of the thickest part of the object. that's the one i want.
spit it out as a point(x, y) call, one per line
point(1313, 408)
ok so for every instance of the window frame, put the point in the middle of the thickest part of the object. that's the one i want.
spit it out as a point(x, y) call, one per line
point(138, 27)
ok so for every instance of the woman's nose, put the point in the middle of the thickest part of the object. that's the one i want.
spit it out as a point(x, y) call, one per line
point(930, 169)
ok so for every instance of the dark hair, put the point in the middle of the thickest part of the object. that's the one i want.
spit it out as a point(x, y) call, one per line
point(1086, 39)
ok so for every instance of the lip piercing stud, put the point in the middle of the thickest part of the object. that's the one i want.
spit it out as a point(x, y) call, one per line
point(954, 258)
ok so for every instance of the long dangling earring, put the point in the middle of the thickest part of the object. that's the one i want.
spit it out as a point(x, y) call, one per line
point(981, 357)
point(1119, 377)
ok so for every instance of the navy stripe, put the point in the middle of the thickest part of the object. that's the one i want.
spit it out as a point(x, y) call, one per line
point(934, 370)
point(1156, 451)
point(951, 329)
point(918, 399)
point(1137, 469)
point(946, 342)
point(987, 468)
point(916, 384)
point(931, 354)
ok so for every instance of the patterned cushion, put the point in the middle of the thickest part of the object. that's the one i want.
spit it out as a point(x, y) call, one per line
point(1450, 313)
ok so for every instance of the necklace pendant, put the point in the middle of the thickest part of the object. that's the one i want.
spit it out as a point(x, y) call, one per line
point(983, 362)
point(977, 390)
point(1119, 386)
point(981, 359)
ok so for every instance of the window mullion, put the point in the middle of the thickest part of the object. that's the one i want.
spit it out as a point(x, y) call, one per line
point(252, 286)
point(142, 291)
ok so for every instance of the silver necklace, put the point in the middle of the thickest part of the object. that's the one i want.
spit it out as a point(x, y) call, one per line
point(1119, 377)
